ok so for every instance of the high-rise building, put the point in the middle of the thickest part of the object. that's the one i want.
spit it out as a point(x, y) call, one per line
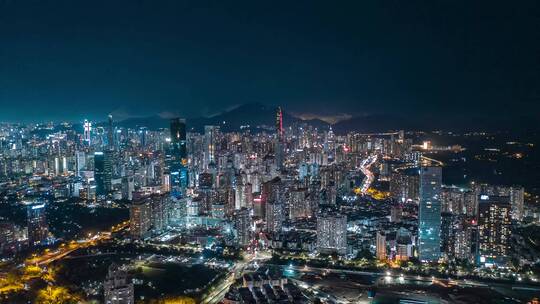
point(38, 229)
point(140, 216)
point(381, 246)
point(429, 214)
point(517, 202)
point(118, 288)
point(87, 132)
point(275, 215)
point(110, 134)
point(242, 225)
point(494, 229)
point(278, 147)
point(178, 139)
point(299, 206)
point(210, 138)
point(103, 172)
point(178, 165)
point(396, 213)
point(463, 239)
point(80, 162)
point(332, 233)
point(447, 232)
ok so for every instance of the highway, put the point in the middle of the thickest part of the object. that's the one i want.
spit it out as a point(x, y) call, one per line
point(364, 167)
point(64, 250)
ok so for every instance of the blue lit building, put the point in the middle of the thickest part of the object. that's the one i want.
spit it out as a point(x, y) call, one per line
point(103, 172)
point(429, 214)
point(38, 229)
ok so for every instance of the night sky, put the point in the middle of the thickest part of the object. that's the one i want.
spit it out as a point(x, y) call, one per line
point(76, 59)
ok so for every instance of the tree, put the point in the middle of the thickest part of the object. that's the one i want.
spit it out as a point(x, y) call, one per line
point(54, 295)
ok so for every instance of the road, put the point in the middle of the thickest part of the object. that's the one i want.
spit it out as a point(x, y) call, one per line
point(395, 278)
point(218, 292)
point(64, 250)
point(364, 167)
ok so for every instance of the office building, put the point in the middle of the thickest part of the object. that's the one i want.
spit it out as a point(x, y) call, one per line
point(103, 173)
point(429, 214)
point(38, 229)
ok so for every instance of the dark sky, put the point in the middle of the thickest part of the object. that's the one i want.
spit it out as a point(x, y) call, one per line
point(75, 59)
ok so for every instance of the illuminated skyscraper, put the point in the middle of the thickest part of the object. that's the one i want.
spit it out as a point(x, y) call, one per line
point(429, 213)
point(178, 166)
point(102, 172)
point(381, 246)
point(87, 132)
point(242, 225)
point(38, 230)
point(210, 137)
point(279, 139)
point(516, 200)
point(178, 139)
point(110, 134)
point(494, 229)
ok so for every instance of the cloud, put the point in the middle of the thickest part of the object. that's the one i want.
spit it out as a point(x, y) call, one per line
point(331, 119)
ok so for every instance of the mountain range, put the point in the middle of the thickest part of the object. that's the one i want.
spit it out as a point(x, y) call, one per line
point(259, 116)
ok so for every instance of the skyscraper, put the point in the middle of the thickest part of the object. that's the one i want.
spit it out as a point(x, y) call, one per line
point(494, 229)
point(140, 216)
point(102, 172)
point(275, 215)
point(178, 165)
point(381, 246)
point(118, 288)
point(242, 225)
point(178, 139)
point(38, 230)
point(87, 132)
point(110, 134)
point(517, 200)
point(210, 137)
point(279, 139)
point(429, 213)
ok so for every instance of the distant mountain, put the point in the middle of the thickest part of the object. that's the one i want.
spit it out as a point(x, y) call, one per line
point(379, 123)
point(262, 117)
point(256, 115)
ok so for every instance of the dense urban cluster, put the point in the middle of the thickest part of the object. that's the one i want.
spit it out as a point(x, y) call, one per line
point(294, 196)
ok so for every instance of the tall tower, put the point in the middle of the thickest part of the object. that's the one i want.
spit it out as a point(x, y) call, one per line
point(279, 122)
point(279, 139)
point(110, 133)
point(381, 245)
point(210, 135)
point(429, 213)
point(178, 166)
point(87, 131)
point(38, 230)
point(178, 139)
point(102, 172)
